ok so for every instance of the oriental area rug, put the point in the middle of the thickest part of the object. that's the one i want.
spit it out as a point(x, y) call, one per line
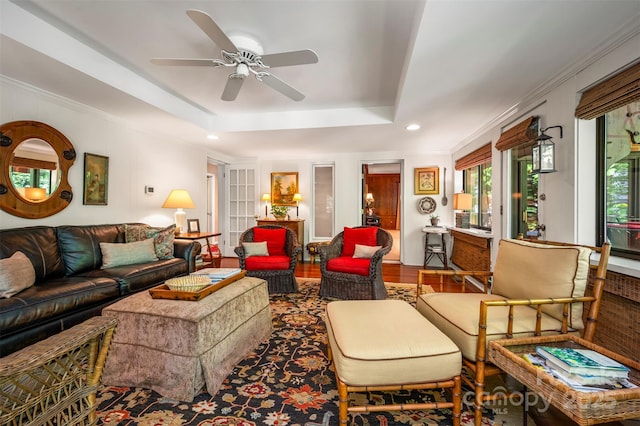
point(286, 381)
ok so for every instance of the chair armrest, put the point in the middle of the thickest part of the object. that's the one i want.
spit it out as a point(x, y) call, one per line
point(422, 273)
point(32, 379)
point(329, 251)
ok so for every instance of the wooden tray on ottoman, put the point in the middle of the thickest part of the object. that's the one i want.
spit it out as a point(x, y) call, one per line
point(164, 292)
point(584, 408)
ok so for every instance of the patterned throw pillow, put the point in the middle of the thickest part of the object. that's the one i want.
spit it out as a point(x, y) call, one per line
point(16, 274)
point(162, 238)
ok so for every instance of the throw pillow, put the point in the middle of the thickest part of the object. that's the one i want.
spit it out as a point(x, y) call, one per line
point(255, 249)
point(16, 274)
point(367, 236)
point(119, 254)
point(365, 252)
point(275, 238)
point(162, 238)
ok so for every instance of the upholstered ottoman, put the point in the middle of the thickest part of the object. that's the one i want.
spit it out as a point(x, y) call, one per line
point(384, 345)
point(175, 347)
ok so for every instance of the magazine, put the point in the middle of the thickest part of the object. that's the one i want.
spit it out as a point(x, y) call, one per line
point(583, 362)
point(217, 274)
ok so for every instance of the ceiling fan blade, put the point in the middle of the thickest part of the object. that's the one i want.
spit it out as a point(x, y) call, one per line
point(232, 88)
point(282, 87)
point(285, 59)
point(185, 62)
point(210, 28)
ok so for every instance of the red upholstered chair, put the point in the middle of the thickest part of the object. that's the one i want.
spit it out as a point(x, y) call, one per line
point(346, 270)
point(277, 265)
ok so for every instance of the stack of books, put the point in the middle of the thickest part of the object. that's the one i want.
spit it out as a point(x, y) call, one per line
point(582, 369)
point(217, 274)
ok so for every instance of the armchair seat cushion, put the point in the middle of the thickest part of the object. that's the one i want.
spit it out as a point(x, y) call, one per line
point(267, 262)
point(349, 265)
point(456, 314)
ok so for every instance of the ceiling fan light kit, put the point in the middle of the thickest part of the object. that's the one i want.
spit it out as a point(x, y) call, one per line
point(246, 55)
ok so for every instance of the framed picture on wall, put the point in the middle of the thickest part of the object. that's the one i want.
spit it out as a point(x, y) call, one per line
point(284, 185)
point(96, 180)
point(426, 180)
point(193, 225)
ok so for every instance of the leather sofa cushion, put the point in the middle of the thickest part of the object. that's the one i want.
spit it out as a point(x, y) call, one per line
point(349, 265)
point(456, 315)
point(369, 348)
point(275, 238)
point(43, 303)
point(80, 245)
point(267, 263)
point(38, 243)
point(363, 236)
point(526, 270)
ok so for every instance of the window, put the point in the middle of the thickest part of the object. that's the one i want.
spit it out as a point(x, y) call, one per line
point(477, 182)
point(619, 180)
point(524, 193)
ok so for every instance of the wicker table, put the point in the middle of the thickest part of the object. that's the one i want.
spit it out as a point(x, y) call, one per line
point(584, 408)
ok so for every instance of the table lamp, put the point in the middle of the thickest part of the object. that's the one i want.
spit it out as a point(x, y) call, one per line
point(297, 198)
point(179, 199)
point(266, 198)
point(462, 201)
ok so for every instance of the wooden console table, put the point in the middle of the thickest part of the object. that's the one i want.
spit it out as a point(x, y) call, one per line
point(296, 225)
point(213, 263)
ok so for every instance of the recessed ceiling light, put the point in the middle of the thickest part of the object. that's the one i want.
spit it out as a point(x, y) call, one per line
point(212, 137)
point(412, 127)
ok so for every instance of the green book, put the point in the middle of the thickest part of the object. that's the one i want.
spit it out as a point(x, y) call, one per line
point(582, 361)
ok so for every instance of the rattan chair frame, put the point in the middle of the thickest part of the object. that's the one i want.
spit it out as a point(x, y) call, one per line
point(278, 280)
point(342, 285)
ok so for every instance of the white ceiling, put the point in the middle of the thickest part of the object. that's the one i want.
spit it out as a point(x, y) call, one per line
point(452, 66)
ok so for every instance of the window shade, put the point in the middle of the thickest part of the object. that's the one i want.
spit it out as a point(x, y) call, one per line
point(523, 133)
point(33, 164)
point(475, 158)
point(611, 94)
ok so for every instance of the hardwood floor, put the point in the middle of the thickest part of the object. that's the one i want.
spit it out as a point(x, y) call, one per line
point(391, 272)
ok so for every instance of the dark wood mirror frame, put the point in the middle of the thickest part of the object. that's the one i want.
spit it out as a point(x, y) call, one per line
point(11, 201)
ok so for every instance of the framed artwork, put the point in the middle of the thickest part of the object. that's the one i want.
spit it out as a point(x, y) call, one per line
point(426, 181)
point(193, 225)
point(284, 185)
point(96, 179)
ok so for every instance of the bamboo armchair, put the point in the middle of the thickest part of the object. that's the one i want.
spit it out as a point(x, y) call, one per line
point(54, 381)
point(501, 316)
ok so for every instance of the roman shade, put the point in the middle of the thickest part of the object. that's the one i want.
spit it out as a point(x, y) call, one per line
point(616, 91)
point(479, 156)
point(523, 133)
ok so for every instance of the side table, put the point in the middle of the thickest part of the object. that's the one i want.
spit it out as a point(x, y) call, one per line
point(437, 249)
point(213, 262)
point(584, 408)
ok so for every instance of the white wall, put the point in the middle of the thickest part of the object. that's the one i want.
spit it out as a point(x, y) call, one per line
point(136, 159)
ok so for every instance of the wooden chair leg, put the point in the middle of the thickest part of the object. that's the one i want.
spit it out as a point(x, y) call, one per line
point(457, 401)
point(479, 393)
point(343, 402)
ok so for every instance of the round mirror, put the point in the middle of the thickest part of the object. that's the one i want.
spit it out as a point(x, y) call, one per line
point(35, 164)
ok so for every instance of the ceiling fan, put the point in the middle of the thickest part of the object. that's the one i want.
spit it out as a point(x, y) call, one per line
point(245, 56)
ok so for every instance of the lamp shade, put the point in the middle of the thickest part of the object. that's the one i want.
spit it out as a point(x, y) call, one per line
point(369, 197)
point(297, 197)
point(35, 194)
point(266, 197)
point(461, 201)
point(179, 199)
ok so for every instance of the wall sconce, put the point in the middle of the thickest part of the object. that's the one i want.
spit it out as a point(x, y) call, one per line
point(297, 198)
point(462, 201)
point(179, 199)
point(544, 153)
point(266, 198)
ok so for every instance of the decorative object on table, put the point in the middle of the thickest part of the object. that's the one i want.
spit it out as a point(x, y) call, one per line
point(435, 219)
point(96, 178)
point(193, 225)
point(444, 200)
point(284, 185)
point(189, 283)
point(297, 198)
point(266, 198)
point(179, 199)
point(426, 205)
point(544, 152)
point(426, 180)
point(279, 212)
point(462, 201)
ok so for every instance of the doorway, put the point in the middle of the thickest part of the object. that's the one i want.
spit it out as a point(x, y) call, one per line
point(382, 201)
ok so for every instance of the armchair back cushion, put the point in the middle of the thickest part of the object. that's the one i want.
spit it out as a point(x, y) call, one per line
point(366, 236)
point(526, 270)
point(275, 238)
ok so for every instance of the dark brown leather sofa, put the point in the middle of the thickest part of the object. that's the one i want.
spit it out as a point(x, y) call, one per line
point(70, 287)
